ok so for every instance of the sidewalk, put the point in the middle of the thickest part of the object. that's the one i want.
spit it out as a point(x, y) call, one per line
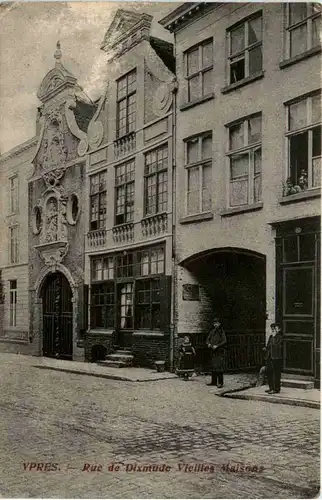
point(128, 374)
point(288, 396)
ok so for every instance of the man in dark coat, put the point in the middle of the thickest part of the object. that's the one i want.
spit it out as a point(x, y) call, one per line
point(216, 341)
point(274, 359)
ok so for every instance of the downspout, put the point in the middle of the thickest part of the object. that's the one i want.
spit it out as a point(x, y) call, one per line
point(173, 327)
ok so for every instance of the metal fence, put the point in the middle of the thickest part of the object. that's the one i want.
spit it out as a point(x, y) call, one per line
point(244, 350)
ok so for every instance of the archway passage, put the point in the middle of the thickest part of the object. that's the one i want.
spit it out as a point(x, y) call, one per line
point(57, 317)
point(234, 289)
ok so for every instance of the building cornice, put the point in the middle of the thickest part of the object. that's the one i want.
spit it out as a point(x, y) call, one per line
point(19, 149)
point(185, 13)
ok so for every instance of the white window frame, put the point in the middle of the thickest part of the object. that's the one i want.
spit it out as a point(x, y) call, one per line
point(13, 304)
point(244, 53)
point(290, 27)
point(201, 69)
point(13, 244)
point(201, 163)
point(13, 195)
point(309, 128)
point(246, 148)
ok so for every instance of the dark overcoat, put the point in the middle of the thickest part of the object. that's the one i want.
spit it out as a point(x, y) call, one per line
point(217, 337)
point(274, 348)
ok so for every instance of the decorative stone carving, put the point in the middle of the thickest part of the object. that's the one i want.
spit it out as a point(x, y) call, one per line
point(162, 99)
point(95, 130)
point(73, 209)
point(73, 127)
point(53, 177)
point(37, 219)
point(55, 152)
point(53, 254)
point(51, 221)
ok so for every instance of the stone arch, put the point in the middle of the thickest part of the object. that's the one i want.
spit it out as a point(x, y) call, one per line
point(46, 271)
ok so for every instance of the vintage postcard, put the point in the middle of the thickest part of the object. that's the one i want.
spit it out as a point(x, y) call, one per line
point(160, 202)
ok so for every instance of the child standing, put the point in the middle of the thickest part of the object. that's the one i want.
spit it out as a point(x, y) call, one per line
point(274, 359)
point(186, 358)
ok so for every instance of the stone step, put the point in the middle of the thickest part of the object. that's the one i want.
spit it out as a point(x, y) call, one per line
point(124, 352)
point(120, 357)
point(297, 384)
point(113, 363)
point(295, 376)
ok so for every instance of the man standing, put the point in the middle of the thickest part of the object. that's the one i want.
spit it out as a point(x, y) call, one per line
point(216, 341)
point(274, 358)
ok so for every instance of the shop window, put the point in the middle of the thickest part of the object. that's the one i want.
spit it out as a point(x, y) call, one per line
point(148, 306)
point(102, 305)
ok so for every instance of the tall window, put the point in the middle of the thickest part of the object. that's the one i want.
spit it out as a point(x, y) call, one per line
point(126, 104)
point(245, 49)
point(14, 195)
point(13, 244)
point(245, 156)
point(98, 201)
point(304, 142)
point(13, 303)
point(303, 27)
point(124, 186)
point(199, 70)
point(199, 173)
point(156, 181)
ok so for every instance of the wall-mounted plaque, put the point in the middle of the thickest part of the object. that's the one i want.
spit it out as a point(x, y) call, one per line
point(190, 292)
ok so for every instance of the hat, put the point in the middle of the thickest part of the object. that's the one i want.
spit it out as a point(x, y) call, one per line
point(274, 325)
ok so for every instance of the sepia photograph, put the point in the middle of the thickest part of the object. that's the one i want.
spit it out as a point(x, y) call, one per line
point(160, 220)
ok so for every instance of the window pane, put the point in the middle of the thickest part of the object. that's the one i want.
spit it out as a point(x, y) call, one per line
point(316, 148)
point(193, 61)
point(254, 129)
point(290, 249)
point(316, 172)
point(298, 156)
point(207, 82)
point(298, 12)
point(316, 32)
point(236, 136)
point(255, 60)
point(206, 147)
point(307, 246)
point(257, 161)
point(299, 40)
point(206, 187)
point(257, 175)
point(237, 39)
point(239, 192)
point(194, 88)
point(239, 165)
point(193, 190)
point(192, 151)
point(316, 108)
point(207, 56)
point(255, 30)
point(298, 115)
point(237, 70)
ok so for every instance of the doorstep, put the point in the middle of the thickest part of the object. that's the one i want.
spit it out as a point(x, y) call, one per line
point(288, 396)
point(128, 374)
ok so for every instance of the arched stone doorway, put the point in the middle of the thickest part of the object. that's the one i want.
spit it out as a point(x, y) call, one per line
point(233, 286)
point(57, 322)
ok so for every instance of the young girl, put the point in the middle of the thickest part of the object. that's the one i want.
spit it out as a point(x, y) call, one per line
point(186, 359)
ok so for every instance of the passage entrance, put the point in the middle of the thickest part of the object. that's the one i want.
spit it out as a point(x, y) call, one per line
point(57, 317)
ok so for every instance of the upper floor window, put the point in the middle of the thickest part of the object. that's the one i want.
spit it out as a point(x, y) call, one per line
point(199, 70)
point(303, 27)
point(199, 173)
point(98, 201)
point(126, 104)
point(156, 181)
point(13, 244)
point(304, 144)
point(245, 49)
point(13, 302)
point(245, 158)
point(124, 192)
point(14, 195)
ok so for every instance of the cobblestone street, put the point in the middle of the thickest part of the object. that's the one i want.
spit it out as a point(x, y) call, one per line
point(69, 420)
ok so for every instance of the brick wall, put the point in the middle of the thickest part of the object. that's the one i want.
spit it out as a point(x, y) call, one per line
point(148, 349)
point(97, 339)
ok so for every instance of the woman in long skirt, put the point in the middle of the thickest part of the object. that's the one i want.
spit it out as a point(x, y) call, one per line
point(186, 359)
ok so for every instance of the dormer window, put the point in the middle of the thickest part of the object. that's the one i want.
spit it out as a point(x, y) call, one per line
point(126, 104)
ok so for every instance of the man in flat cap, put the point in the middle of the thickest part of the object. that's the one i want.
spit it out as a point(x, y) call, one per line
point(216, 341)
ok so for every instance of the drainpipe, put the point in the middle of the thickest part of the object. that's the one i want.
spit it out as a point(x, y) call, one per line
point(173, 326)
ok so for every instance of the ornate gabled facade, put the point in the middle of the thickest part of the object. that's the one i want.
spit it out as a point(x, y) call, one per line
point(56, 216)
point(130, 204)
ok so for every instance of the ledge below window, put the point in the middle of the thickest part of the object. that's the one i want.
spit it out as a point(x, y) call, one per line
point(293, 198)
point(191, 104)
point(240, 210)
point(98, 331)
point(8, 340)
point(147, 333)
point(300, 57)
point(196, 217)
point(243, 82)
